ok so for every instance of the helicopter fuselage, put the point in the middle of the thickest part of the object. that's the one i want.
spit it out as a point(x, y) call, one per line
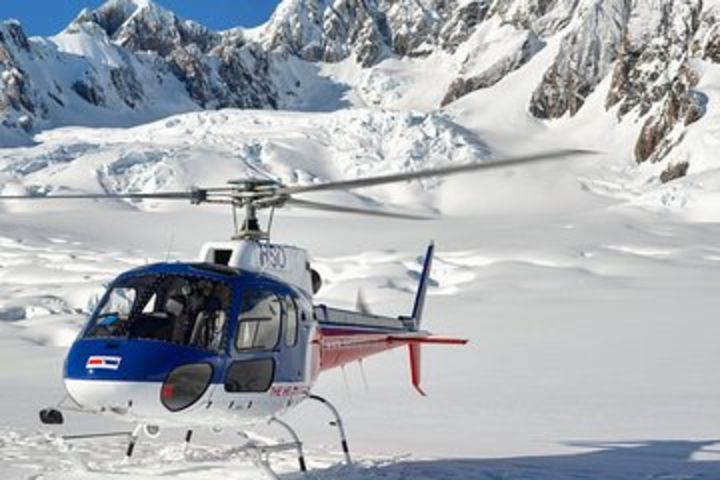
point(232, 340)
point(195, 344)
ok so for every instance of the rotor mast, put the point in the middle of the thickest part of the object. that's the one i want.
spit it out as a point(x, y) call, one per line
point(250, 229)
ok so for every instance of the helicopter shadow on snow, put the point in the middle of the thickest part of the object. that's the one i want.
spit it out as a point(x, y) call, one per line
point(626, 460)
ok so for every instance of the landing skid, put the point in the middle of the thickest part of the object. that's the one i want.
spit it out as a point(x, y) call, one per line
point(338, 423)
point(258, 452)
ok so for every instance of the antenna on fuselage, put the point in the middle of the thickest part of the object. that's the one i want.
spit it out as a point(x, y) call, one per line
point(170, 246)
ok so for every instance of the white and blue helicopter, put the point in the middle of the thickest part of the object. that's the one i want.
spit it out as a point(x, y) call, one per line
point(234, 339)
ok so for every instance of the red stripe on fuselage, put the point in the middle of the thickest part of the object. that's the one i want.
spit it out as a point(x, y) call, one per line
point(344, 345)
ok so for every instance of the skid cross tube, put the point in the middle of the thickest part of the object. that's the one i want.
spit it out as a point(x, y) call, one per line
point(259, 452)
point(336, 423)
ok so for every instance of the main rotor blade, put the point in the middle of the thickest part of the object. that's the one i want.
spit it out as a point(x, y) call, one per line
point(186, 195)
point(345, 209)
point(434, 172)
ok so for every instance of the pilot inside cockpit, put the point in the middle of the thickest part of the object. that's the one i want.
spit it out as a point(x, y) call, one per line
point(178, 309)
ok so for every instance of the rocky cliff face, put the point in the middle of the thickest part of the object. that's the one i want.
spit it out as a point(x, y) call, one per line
point(17, 101)
point(371, 30)
point(585, 57)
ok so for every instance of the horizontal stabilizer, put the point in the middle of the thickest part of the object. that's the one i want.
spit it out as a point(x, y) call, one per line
point(414, 340)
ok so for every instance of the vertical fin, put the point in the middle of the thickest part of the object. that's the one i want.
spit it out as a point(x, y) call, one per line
point(416, 319)
point(419, 305)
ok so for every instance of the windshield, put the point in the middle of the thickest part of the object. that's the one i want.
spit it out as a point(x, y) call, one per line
point(178, 309)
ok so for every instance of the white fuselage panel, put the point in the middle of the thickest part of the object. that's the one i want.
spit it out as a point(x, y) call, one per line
point(139, 402)
point(289, 264)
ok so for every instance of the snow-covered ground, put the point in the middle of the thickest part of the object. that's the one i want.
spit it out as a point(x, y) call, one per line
point(592, 324)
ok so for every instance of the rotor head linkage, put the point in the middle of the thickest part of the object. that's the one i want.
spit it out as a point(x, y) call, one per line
point(251, 195)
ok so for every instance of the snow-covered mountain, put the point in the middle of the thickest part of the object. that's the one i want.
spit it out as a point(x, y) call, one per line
point(651, 66)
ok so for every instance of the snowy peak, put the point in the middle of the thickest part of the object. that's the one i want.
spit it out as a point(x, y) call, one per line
point(141, 25)
point(110, 16)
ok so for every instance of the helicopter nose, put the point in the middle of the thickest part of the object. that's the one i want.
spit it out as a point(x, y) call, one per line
point(138, 378)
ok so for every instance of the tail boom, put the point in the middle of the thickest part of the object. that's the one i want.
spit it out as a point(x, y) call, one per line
point(352, 336)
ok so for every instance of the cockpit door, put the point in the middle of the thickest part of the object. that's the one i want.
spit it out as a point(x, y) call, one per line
point(256, 341)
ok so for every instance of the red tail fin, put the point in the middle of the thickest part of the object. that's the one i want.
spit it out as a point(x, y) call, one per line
point(414, 349)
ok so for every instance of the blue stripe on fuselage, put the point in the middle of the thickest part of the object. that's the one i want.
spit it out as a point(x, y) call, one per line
point(142, 360)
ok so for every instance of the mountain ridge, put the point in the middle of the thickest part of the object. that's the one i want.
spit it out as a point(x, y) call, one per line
point(132, 61)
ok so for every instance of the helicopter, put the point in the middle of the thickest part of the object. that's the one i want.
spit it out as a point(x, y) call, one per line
point(234, 339)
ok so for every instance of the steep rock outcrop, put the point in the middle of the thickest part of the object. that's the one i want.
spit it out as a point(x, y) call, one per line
point(371, 30)
point(319, 30)
point(586, 55)
point(665, 128)
point(655, 47)
point(544, 17)
point(18, 104)
point(531, 44)
point(461, 23)
point(143, 25)
point(654, 76)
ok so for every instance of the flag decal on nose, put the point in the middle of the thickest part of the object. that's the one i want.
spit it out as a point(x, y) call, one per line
point(103, 362)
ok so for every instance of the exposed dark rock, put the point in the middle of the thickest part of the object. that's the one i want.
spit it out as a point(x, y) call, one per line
point(17, 94)
point(191, 70)
point(586, 55)
point(651, 54)
point(674, 171)
point(147, 27)
point(90, 93)
point(127, 85)
point(18, 36)
point(544, 17)
point(25, 122)
point(245, 74)
point(462, 23)
point(712, 48)
point(496, 72)
point(707, 46)
point(681, 107)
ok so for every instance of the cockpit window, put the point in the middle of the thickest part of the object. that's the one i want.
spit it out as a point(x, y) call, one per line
point(120, 302)
point(178, 309)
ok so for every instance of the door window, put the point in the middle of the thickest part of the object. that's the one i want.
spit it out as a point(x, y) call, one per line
point(291, 313)
point(250, 376)
point(259, 321)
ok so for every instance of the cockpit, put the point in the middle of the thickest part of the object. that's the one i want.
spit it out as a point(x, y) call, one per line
point(181, 309)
